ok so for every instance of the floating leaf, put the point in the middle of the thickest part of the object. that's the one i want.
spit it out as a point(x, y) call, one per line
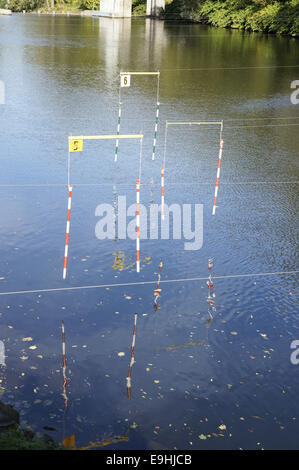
point(69, 442)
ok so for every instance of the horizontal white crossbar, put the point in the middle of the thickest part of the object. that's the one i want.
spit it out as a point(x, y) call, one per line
point(139, 73)
point(98, 137)
point(198, 123)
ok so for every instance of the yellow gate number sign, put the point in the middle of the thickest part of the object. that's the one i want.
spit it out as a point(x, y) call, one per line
point(76, 145)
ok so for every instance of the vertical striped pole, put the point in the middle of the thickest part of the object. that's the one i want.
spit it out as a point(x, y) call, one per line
point(64, 366)
point(118, 131)
point(67, 231)
point(132, 358)
point(138, 226)
point(218, 176)
point(156, 130)
point(162, 193)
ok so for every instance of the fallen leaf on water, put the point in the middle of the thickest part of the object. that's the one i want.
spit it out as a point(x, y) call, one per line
point(69, 442)
point(202, 436)
point(222, 427)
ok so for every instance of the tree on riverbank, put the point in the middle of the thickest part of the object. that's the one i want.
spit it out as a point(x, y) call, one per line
point(273, 16)
point(48, 5)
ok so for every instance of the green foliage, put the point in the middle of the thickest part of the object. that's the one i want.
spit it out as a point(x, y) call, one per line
point(16, 439)
point(90, 4)
point(273, 16)
point(139, 7)
point(20, 5)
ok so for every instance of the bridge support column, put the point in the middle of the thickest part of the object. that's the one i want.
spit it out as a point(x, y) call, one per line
point(154, 7)
point(116, 8)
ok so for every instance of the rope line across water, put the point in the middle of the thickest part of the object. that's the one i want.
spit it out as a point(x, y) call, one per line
point(143, 283)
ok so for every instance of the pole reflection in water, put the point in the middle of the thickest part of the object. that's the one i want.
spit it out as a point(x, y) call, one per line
point(64, 384)
point(211, 294)
point(132, 358)
point(115, 209)
point(157, 291)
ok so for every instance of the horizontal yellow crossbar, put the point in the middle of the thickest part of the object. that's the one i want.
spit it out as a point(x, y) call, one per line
point(139, 73)
point(98, 137)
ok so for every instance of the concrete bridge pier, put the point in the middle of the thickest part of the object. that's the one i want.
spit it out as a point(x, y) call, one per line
point(154, 7)
point(123, 8)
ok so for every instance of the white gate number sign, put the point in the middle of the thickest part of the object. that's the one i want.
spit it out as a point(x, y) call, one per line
point(125, 80)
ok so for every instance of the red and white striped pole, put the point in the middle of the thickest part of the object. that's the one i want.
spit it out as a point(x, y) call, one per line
point(64, 366)
point(132, 358)
point(218, 176)
point(67, 231)
point(162, 194)
point(138, 226)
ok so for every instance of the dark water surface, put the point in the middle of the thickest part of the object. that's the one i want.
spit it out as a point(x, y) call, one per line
point(190, 377)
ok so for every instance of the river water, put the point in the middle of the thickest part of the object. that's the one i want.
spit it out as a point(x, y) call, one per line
point(224, 384)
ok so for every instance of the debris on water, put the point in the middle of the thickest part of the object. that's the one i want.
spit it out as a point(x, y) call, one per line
point(222, 427)
point(27, 338)
point(49, 428)
point(69, 442)
point(185, 345)
point(121, 354)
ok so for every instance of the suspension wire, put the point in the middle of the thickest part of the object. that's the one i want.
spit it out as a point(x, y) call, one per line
point(143, 283)
point(127, 185)
point(262, 67)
